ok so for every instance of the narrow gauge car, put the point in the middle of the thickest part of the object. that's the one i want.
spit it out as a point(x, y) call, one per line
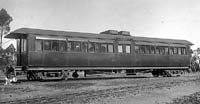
point(52, 54)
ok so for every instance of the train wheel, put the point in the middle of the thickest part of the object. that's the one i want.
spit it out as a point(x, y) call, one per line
point(155, 73)
point(29, 75)
point(75, 74)
point(65, 75)
point(40, 76)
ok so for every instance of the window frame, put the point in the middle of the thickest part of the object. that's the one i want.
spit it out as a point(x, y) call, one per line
point(147, 50)
point(179, 51)
point(84, 47)
point(93, 45)
point(41, 44)
point(142, 49)
point(153, 49)
point(58, 45)
point(125, 48)
point(106, 48)
point(74, 45)
point(121, 51)
point(49, 46)
point(98, 47)
point(166, 50)
point(137, 49)
point(110, 44)
point(65, 46)
point(183, 51)
point(175, 50)
point(157, 50)
point(171, 50)
point(162, 50)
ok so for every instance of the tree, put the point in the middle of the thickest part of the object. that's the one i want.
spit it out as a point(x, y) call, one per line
point(195, 60)
point(5, 20)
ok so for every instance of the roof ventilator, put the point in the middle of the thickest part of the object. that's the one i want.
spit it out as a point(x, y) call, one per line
point(115, 32)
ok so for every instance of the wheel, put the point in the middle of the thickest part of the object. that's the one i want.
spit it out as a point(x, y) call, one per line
point(40, 76)
point(65, 75)
point(75, 74)
point(155, 73)
point(29, 76)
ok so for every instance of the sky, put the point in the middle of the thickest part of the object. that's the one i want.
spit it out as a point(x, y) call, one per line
point(172, 19)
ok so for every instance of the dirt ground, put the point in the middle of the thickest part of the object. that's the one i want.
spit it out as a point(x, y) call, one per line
point(138, 90)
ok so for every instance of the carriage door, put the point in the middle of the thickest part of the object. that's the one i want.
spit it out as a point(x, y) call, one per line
point(21, 52)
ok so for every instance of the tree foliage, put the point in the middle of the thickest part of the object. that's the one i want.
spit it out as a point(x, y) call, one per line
point(195, 60)
point(5, 20)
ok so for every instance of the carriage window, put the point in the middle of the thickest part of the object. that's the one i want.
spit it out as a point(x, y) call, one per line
point(55, 45)
point(175, 50)
point(157, 50)
point(179, 51)
point(142, 49)
point(47, 45)
point(18, 45)
point(171, 50)
point(183, 51)
point(162, 50)
point(147, 51)
point(91, 47)
point(110, 48)
point(38, 45)
point(152, 50)
point(103, 48)
point(128, 49)
point(76, 46)
point(84, 46)
point(137, 49)
point(63, 45)
point(24, 45)
point(120, 49)
point(69, 46)
point(166, 50)
point(98, 47)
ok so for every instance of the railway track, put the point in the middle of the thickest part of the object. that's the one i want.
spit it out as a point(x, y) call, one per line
point(87, 96)
point(70, 98)
point(23, 78)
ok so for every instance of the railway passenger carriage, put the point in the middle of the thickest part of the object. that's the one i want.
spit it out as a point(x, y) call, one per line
point(48, 53)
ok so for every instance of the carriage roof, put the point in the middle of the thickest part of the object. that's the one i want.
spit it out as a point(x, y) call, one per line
point(23, 32)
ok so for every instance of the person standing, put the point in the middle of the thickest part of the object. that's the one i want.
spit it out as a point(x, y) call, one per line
point(9, 71)
point(9, 74)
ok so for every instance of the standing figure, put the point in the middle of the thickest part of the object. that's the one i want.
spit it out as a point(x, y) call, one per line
point(9, 74)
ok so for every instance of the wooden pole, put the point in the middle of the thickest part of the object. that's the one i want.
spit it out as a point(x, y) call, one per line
point(1, 41)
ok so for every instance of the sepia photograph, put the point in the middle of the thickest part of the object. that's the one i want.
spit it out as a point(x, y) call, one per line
point(99, 52)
